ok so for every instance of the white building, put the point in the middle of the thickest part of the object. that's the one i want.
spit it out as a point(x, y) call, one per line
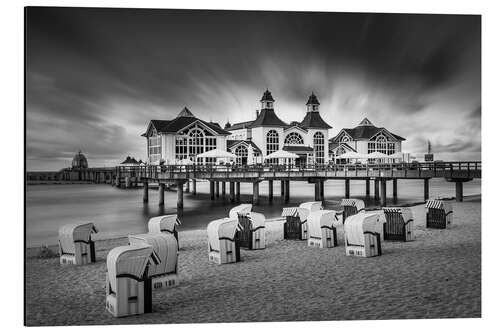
point(255, 139)
point(365, 139)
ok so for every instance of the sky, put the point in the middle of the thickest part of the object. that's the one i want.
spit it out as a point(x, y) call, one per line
point(96, 77)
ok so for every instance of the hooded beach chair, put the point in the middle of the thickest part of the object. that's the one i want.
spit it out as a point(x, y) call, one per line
point(76, 246)
point(222, 245)
point(295, 226)
point(322, 232)
point(240, 209)
point(128, 287)
point(253, 233)
point(165, 224)
point(398, 224)
point(351, 207)
point(312, 206)
point(439, 213)
point(165, 245)
point(362, 235)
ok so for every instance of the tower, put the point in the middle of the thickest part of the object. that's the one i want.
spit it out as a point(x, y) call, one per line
point(267, 100)
point(312, 103)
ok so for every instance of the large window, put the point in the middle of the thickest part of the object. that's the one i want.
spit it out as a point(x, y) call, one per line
point(241, 153)
point(272, 144)
point(194, 142)
point(294, 139)
point(319, 147)
point(154, 145)
point(381, 144)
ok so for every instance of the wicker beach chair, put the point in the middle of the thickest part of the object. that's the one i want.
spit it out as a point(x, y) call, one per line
point(165, 245)
point(222, 245)
point(312, 206)
point(253, 233)
point(295, 226)
point(240, 209)
point(76, 246)
point(165, 224)
point(362, 235)
point(351, 207)
point(398, 224)
point(128, 287)
point(439, 214)
point(321, 229)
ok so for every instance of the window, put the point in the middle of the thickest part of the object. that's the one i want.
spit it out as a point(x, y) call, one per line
point(345, 138)
point(194, 142)
point(319, 147)
point(181, 148)
point(241, 153)
point(294, 139)
point(381, 144)
point(272, 144)
point(154, 144)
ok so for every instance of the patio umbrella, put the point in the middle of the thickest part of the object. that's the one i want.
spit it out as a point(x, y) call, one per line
point(377, 154)
point(351, 155)
point(216, 153)
point(186, 161)
point(281, 154)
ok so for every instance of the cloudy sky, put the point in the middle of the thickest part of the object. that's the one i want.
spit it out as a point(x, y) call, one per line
point(95, 77)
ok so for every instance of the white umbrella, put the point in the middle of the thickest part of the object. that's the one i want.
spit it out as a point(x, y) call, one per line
point(396, 155)
point(351, 154)
point(216, 153)
point(281, 154)
point(186, 161)
point(377, 154)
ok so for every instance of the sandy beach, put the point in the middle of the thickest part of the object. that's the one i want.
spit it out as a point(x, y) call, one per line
point(436, 276)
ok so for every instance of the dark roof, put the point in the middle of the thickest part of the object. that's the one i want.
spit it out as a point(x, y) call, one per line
point(175, 125)
point(130, 160)
point(215, 124)
point(232, 143)
point(185, 113)
point(312, 100)
point(297, 148)
point(267, 97)
point(295, 123)
point(267, 117)
point(365, 131)
point(238, 126)
point(314, 120)
point(228, 125)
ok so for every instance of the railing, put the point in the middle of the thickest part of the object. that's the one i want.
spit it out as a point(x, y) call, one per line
point(425, 169)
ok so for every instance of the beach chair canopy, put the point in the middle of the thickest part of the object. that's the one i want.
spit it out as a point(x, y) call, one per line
point(257, 219)
point(435, 203)
point(359, 204)
point(163, 223)
point(224, 228)
point(318, 219)
point(240, 209)
point(355, 227)
point(404, 211)
point(165, 246)
point(75, 232)
point(312, 206)
point(129, 261)
point(302, 213)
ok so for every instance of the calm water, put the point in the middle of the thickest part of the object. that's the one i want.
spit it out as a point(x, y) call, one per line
point(118, 212)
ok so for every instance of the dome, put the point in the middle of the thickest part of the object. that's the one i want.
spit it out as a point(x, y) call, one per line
point(79, 161)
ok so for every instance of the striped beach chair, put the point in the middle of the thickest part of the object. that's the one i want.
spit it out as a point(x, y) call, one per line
point(398, 224)
point(439, 214)
point(295, 226)
point(165, 245)
point(351, 207)
point(128, 286)
point(76, 246)
point(253, 233)
point(222, 245)
point(165, 224)
point(321, 229)
point(362, 235)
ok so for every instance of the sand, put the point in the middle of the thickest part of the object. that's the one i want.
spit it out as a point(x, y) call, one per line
point(436, 276)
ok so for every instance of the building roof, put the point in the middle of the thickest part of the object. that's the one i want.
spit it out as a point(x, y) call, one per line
point(79, 161)
point(130, 160)
point(365, 130)
point(185, 113)
point(267, 117)
point(267, 97)
point(314, 120)
point(238, 126)
point(231, 143)
point(313, 100)
point(175, 125)
point(295, 149)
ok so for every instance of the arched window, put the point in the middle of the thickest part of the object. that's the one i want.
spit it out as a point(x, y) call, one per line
point(241, 153)
point(345, 138)
point(272, 144)
point(381, 143)
point(193, 142)
point(294, 139)
point(196, 142)
point(319, 147)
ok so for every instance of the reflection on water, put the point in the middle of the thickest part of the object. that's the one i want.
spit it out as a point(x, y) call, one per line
point(118, 212)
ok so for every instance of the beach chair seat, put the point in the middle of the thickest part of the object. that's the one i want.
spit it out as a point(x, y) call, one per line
point(399, 224)
point(321, 229)
point(253, 233)
point(439, 214)
point(165, 224)
point(165, 245)
point(76, 246)
point(222, 245)
point(295, 226)
point(351, 207)
point(362, 235)
point(128, 286)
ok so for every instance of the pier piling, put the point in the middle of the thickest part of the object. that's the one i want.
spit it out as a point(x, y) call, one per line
point(316, 191)
point(216, 189)
point(287, 191)
point(347, 188)
point(194, 186)
point(376, 195)
point(187, 186)
point(231, 192)
point(180, 195)
point(383, 192)
point(322, 190)
point(161, 194)
point(270, 191)
point(238, 191)
point(282, 187)
point(255, 193)
point(368, 188)
point(395, 189)
point(212, 188)
point(145, 196)
point(459, 191)
point(223, 190)
point(426, 189)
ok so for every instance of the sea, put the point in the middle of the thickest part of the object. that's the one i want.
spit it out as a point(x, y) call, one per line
point(120, 212)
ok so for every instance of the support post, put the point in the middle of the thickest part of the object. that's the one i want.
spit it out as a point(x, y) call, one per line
point(316, 191)
point(287, 191)
point(383, 192)
point(194, 186)
point(161, 194)
point(282, 187)
point(231, 192)
point(367, 188)
point(145, 196)
point(212, 190)
point(395, 189)
point(270, 191)
point(322, 190)
point(223, 190)
point(347, 188)
point(459, 191)
point(255, 193)
point(187, 186)
point(238, 191)
point(180, 196)
point(376, 195)
point(216, 189)
point(426, 189)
